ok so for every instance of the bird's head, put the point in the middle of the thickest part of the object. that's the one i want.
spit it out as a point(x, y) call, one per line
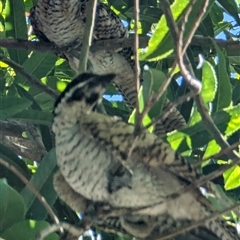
point(82, 94)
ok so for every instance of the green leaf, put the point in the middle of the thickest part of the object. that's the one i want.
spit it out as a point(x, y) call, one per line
point(25, 94)
point(43, 182)
point(206, 27)
point(10, 157)
point(46, 135)
point(147, 13)
point(231, 7)
point(224, 91)
point(227, 121)
point(209, 82)
point(161, 43)
point(28, 5)
point(28, 230)
point(232, 178)
point(10, 106)
point(16, 27)
point(34, 116)
point(222, 201)
point(235, 93)
point(146, 119)
point(153, 79)
point(212, 149)
point(39, 65)
point(209, 88)
point(216, 14)
point(2, 82)
point(12, 206)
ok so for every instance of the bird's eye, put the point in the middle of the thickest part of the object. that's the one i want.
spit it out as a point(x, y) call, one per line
point(92, 98)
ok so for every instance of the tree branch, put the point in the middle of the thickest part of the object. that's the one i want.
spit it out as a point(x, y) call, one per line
point(112, 44)
point(87, 37)
point(11, 136)
point(22, 147)
point(137, 67)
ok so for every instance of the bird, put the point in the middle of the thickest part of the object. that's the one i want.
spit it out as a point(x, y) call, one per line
point(93, 157)
point(71, 141)
point(62, 22)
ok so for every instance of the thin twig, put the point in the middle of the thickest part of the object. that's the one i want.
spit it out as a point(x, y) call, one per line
point(73, 230)
point(195, 26)
point(88, 34)
point(209, 177)
point(218, 155)
point(32, 188)
point(137, 67)
point(31, 79)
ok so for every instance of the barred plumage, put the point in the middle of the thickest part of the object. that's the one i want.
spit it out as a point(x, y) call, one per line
point(63, 21)
point(91, 150)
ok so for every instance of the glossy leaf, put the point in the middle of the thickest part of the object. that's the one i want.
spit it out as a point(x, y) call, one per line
point(146, 119)
point(39, 65)
point(227, 120)
point(153, 80)
point(11, 158)
point(211, 149)
point(43, 182)
point(232, 178)
point(148, 14)
point(161, 43)
point(28, 230)
point(224, 91)
point(216, 14)
point(232, 8)
point(16, 28)
point(10, 106)
point(12, 206)
point(34, 116)
point(209, 88)
point(161, 35)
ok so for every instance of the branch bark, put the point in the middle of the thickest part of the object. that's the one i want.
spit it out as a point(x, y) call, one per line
point(229, 45)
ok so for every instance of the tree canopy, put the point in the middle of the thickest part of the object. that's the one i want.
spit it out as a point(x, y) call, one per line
point(32, 76)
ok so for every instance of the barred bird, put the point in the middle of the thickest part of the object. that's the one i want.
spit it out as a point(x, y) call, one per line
point(62, 22)
point(92, 154)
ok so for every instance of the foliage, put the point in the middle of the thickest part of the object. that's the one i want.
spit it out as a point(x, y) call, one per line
point(22, 104)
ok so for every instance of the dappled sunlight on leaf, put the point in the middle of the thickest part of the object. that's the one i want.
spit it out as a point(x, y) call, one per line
point(232, 178)
point(61, 86)
point(212, 149)
point(3, 65)
point(199, 135)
